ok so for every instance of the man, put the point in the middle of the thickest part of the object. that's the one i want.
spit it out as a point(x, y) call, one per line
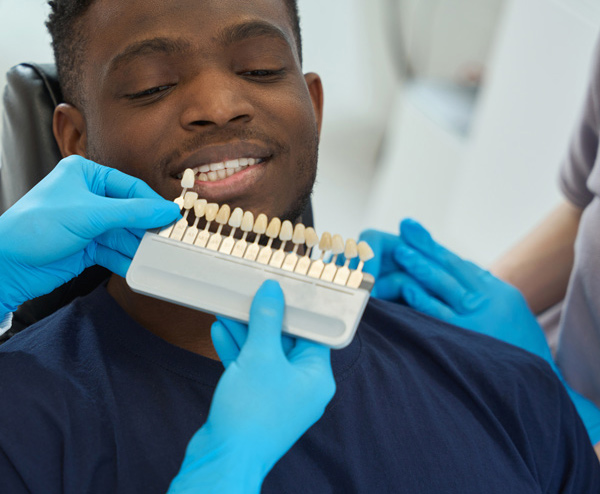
point(117, 383)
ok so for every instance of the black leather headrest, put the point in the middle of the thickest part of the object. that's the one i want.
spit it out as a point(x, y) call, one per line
point(29, 150)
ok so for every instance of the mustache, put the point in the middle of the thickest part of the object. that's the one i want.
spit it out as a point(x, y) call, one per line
point(201, 140)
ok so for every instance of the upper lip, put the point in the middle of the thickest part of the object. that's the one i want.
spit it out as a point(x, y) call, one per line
point(222, 152)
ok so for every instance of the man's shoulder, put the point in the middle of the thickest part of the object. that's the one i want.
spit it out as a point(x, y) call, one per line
point(390, 325)
point(498, 373)
point(56, 347)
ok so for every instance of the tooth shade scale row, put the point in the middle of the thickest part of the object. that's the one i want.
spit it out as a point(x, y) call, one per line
point(299, 235)
point(235, 222)
point(274, 229)
point(272, 232)
point(247, 225)
point(181, 226)
point(259, 229)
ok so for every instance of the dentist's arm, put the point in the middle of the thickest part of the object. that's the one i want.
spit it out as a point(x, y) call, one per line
point(79, 215)
point(273, 390)
point(541, 263)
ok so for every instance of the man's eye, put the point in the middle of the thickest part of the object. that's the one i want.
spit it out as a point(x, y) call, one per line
point(265, 73)
point(149, 92)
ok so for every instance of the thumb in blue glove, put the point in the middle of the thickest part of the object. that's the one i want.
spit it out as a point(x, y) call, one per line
point(79, 215)
point(272, 391)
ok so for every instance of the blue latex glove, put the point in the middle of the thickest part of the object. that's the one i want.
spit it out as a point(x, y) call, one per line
point(81, 214)
point(265, 401)
point(433, 280)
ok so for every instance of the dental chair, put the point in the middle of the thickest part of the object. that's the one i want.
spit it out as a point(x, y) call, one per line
point(29, 153)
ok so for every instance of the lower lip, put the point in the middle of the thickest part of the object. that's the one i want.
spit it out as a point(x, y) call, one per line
point(235, 185)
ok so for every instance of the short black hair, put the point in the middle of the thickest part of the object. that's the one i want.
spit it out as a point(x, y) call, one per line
point(68, 41)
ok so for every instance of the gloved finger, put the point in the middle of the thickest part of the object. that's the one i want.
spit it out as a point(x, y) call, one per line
point(108, 214)
point(389, 287)
point(138, 232)
point(110, 259)
point(224, 343)
point(238, 330)
point(266, 319)
point(109, 182)
point(435, 279)
point(467, 273)
point(417, 298)
point(305, 350)
point(121, 241)
point(288, 343)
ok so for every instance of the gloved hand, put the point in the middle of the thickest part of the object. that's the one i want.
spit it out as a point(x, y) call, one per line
point(81, 214)
point(265, 401)
point(433, 280)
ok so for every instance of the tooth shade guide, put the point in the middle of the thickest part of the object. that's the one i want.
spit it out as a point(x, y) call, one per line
point(298, 238)
point(277, 258)
point(343, 273)
point(260, 227)
point(192, 232)
point(221, 219)
point(264, 255)
point(285, 235)
point(365, 253)
point(311, 239)
point(210, 213)
point(235, 221)
point(246, 227)
point(325, 244)
point(181, 226)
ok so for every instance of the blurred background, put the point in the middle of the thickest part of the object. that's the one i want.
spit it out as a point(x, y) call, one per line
point(454, 112)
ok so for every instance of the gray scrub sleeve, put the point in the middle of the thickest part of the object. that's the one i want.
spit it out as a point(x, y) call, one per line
point(578, 351)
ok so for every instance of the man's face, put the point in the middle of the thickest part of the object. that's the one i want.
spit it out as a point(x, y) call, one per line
point(189, 83)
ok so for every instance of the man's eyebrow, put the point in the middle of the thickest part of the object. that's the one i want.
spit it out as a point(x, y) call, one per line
point(148, 47)
point(253, 29)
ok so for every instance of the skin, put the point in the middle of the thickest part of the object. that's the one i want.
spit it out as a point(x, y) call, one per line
point(200, 92)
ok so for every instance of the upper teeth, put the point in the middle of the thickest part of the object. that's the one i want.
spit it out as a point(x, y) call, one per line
point(219, 171)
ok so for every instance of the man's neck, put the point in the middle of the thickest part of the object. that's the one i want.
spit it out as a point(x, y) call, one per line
point(186, 328)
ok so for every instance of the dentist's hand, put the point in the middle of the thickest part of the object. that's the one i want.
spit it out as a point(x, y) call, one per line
point(81, 214)
point(265, 401)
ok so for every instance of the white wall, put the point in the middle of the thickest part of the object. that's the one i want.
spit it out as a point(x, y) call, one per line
point(481, 194)
point(525, 120)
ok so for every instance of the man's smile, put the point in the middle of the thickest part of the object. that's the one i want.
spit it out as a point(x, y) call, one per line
point(226, 171)
point(223, 170)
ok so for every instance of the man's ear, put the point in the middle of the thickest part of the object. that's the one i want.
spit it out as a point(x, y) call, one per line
point(69, 129)
point(315, 88)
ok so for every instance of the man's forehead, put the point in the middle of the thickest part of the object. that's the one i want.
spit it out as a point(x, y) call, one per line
point(114, 24)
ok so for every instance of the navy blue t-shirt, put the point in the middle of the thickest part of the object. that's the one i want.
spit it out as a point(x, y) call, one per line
point(91, 402)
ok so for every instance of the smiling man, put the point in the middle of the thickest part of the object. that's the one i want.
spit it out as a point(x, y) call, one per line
point(104, 395)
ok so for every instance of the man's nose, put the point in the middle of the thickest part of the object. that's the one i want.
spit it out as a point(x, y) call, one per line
point(215, 99)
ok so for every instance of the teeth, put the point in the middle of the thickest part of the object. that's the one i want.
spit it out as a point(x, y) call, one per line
point(217, 166)
point(220, 171)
